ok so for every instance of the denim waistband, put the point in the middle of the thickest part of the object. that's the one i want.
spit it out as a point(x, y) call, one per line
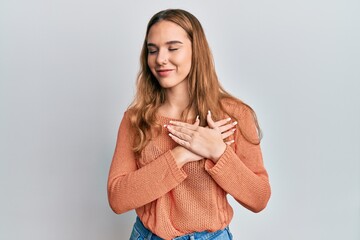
point(143, 231)
point(147, 234)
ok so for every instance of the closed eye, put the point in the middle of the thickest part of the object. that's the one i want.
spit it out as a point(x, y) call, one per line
point(152, 51)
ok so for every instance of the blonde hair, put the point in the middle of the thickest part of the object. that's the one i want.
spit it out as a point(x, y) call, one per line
point(205, 91)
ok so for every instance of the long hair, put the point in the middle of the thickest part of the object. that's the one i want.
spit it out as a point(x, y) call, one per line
point(205, 91)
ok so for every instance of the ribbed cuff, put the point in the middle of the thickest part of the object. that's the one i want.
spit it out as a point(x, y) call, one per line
point(178, 173)
point(214, 169)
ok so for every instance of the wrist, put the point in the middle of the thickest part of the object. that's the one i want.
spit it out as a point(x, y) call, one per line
point(179, 156)
point(218, 152)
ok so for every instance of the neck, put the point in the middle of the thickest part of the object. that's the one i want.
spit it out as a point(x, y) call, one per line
point(177, 100)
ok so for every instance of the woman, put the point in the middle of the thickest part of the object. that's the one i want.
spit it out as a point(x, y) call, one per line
point(177, 154)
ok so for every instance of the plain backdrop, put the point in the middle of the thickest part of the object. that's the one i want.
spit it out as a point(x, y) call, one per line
point(67, 74)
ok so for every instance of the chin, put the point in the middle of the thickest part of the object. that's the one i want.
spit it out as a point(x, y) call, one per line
point(166, 85)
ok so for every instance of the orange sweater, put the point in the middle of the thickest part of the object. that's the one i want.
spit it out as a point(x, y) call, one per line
point(172, 201)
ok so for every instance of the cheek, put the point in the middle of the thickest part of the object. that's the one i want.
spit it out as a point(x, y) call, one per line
point(185, 61)
point(151, 64)
point(188, 64)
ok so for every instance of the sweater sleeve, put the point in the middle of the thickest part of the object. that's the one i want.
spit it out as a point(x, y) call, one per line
point(130, 187)
point(240, 170)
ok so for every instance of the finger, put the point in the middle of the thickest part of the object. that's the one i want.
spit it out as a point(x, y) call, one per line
point(228, 133)
point(210, 121)
point(197, 121)
point(229, 142)
point(222, 122)
point(180, 132)
point(182, 124)
point(179, 141)
point(227, 126)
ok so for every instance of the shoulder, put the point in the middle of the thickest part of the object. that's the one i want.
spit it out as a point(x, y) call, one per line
point(127, 119)
point(126, 128)
point(130, 114)
point(236, 108)
point(246, 118)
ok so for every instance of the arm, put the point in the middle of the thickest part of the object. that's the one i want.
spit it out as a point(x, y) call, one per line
point(130, 187)
point(240, 171)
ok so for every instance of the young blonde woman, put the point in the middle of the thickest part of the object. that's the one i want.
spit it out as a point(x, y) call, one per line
point(184, 143)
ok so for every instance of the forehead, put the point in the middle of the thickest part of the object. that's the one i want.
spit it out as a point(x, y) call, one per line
point(165, 31)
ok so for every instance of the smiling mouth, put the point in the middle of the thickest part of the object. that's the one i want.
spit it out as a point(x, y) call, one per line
point(164, 72)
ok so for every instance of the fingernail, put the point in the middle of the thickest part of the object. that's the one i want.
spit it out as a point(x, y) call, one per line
point(233, 130)
point(234, 123)
point(228, 119)
point(165, 125)
point(209, 112)
point(197, 117)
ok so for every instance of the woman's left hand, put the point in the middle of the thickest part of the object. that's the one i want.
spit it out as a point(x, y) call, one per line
point(207, 142)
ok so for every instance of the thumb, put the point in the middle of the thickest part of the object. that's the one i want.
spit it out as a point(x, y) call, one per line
point(197, 121)
point(210, 121)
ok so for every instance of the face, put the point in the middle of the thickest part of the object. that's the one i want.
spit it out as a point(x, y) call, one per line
point(169, 54)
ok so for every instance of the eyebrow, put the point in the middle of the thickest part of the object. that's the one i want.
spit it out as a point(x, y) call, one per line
point(167, 43)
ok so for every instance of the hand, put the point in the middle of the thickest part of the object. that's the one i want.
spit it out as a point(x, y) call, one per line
point(183, 155)
point(207, 142)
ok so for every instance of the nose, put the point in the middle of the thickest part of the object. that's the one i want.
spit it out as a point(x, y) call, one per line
point(162, 57)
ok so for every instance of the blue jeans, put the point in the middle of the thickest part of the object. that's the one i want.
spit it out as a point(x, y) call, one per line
point(139, 232)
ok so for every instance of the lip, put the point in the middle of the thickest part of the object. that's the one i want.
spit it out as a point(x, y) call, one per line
point(164, 72)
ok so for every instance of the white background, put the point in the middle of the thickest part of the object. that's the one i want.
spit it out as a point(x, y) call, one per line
point(67, 74)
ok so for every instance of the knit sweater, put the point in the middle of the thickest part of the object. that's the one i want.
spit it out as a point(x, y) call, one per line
point(173, 201)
